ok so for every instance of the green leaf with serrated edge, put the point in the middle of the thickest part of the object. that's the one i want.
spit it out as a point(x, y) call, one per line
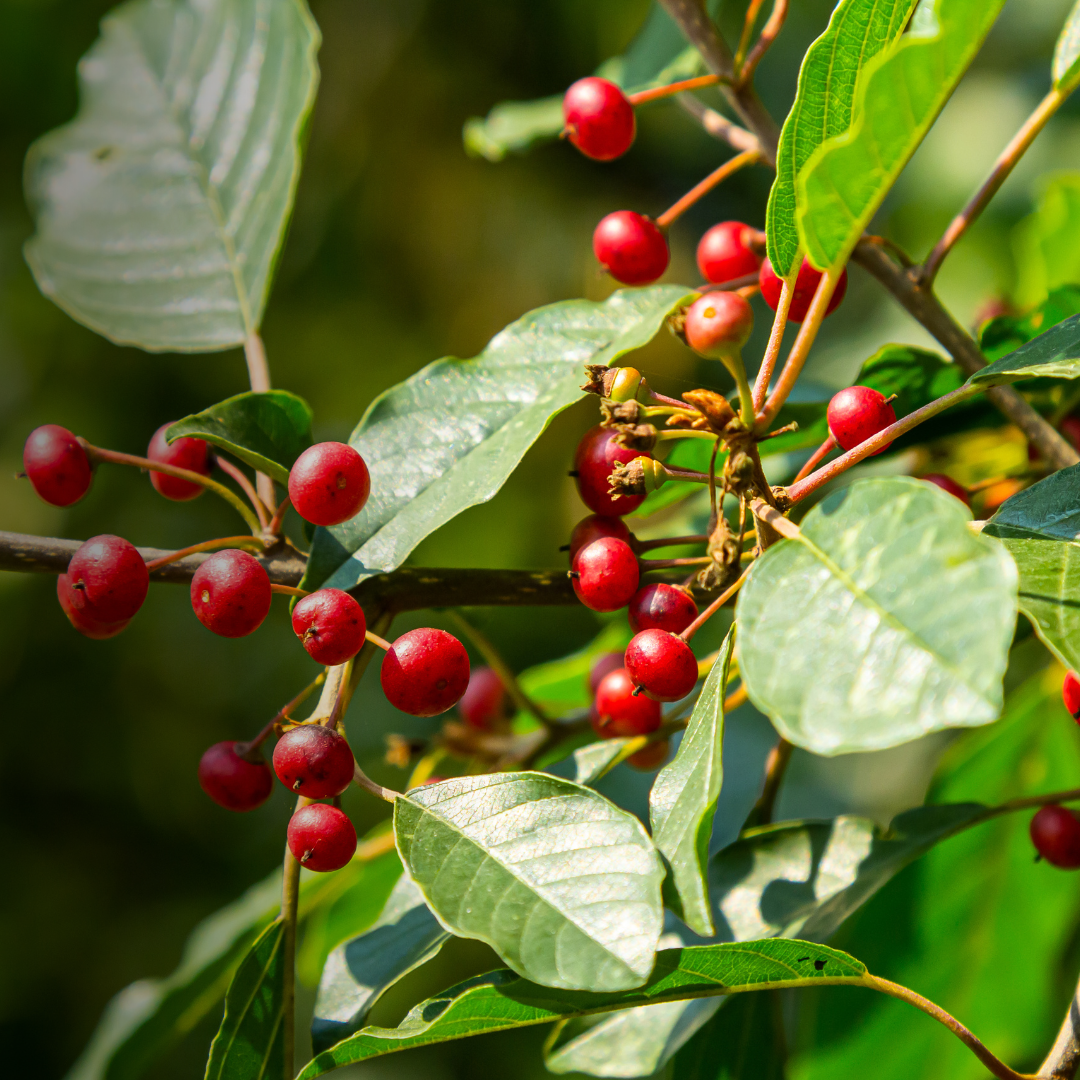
point(899, 95)
point(1065, 70)
point(683, 797)
point(267, 431)
point(1046, 243)
point(824, 107)
point(161, 208)
point(501, 999)
point(1055, 353)
point(561, 883)
point(1040, 528)
point(251, 1039)
point(358, 972)
point(448, 437)
point(911, 613)
point(744, 1041)
point(598, 758)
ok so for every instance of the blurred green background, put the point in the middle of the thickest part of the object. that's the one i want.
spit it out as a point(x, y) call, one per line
point(402, 249)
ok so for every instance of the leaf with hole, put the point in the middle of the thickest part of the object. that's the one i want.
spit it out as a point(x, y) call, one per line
point(161, 208)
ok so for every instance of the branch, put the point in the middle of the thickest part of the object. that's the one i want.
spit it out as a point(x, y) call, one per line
point(719, 126)
point(1064, 1057)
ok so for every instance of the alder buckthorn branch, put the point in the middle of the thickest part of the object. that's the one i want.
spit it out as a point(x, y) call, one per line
point(254, 543)
point(666, 541)
point(714, 607)
point(274, 526)
point(698, 191)
point(816, 458)
point(239, 477)
point(720, 127)
point(772, 350)
point(772, 517)
point(699, 82)
point(289, 590)
point(768, 35)
point(752, 11)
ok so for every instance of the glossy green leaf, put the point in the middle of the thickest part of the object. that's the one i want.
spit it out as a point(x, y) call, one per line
point(598, 758)
point(561, 883)
point(1055, 354)
point(161, 208)
point(899, 95)
point(267, 431)
point(359, 971)
point(824, 106)
point(683, 797)
point(1006, 333)
point(512, 127)
point(1065, 69)
point(251, 1040)
point(887, 619)
point(1047, 241)
point(744, 1041)
point(501, 1000)
point(448, 437)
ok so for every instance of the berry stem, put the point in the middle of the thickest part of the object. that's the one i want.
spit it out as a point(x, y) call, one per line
point(752, 12)
point(775, 766)
point(772, 350)
point(668, 564)
point(683, 433)
point(245, 748)
point(765, 39)
point(288, 590)
point(274, 527)
point(698, 191)
point(380, 642)
point(240, 478)
point(667, 541)
point(737, 369)
point(658, 92)
point(247, 542)
point(714, 607)
point(816, 458)
point(259, 378)
point(363, 780)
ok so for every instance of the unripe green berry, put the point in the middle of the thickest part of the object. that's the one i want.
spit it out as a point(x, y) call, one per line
point(625, 385)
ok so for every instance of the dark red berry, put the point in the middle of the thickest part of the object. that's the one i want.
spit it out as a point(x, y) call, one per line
point(57, 465)
point(1070, 694)
point(314, 761)
point(329, 483)
point(183, 453)
point(425, 672)
point(618, 712)
point(806, 284)
point(599, 119)
point(650, 758)
point(603, 665)
point(71, 600)
point(630, 247)
point(596, 456)
point(231, 594)
point(1055, 832)
point(483, 705)
point(607, 574)
point(718, 324)
point(330, 625)
point(321, 837)
point(661, 607)
point(724, 254)
point(108, 578)
point(595, 527)
point(856, 414)
point(947, 483)
point(1070, 428)
point(662, 664)
point(233, 781)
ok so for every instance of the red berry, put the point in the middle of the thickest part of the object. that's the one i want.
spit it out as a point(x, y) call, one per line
point(233, 781)
point(603, 665)
point(723, 253)
point(231, 594)
point(184, 453)
point(1055, 832)
point(607, 574)
point(662, 664)
point(483, 705)
point(57, 465)
point(650, 758)
point(321, 837)
point(1070, 694)
point(857, 413)
point(595, 458)
point(662, 607)
point(630, 247)
point(595, 527)
point(71, 600)
point(329, 483)
point(806, 284)
point(1070, 428)
point(618, 712)
point(330, 625)
point(425, 672)
point(108, 579)
point(599, 119)
point(718, 324)
point(314, 761)
point(947, 483)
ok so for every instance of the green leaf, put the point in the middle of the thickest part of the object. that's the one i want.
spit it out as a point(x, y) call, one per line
point(683, 797)
point(598, 758)
point(824, 107)
point(1065, 69)
point(267, 431)
point(1040, 528)
point(512, 127)
point(887, 619)
point(1006, 333)
point(251, 1040)
point(448, 437)
point(561, 883)
point(360, 971)
point(1047, 241)
point(161, 208)
point(1053, 354)
point(501, 1000)
point(899, 95)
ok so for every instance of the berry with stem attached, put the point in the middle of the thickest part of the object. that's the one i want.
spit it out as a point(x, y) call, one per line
point(1070, 694)
point(1055, 832)
point(631, 247)
point(330, 625)
point(108, 579)
point(724, 253)
point(230, 593)
point(321, 837)
point(661, 607)
point(856, 414)
point(596, 527)
point(184, 453)
point(617, 711)
point(233, 781)
point(599, 119)
point(603, 665)
point(483, 705)
point(806, 283)
point(947, 483)
point(314, 761)
point(596, 456)
point(718, 325)
point(329, 483)
point(662, 664)
point(56, 464)
point(606, 574)
point(425, 672)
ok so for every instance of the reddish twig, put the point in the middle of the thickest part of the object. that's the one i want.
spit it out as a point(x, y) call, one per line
point(733, 165)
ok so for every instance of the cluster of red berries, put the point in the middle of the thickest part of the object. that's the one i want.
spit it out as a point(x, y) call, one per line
point(1055, 830)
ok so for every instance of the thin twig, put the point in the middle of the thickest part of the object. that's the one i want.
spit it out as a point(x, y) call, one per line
point(699, 82)
point(713, 608)
point(771, 516)
point(816, 458)
point(274, 527)
point(667, 541)
point(259, 379)
point(719, 126)
point(252, 542)
point(698, 191)
point(242, 749)
point(289, 590)
point(239, 477)
point(363, 780)
point(775, 767)
point(1064, 1058)
point(772, 350)
point(290, 901)
point(752, 12)
point(768, 35)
